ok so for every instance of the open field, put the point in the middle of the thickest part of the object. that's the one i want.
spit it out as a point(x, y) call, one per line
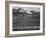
point(26, 22)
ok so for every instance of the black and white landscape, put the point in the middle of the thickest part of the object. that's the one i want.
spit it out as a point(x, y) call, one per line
point(26, 18)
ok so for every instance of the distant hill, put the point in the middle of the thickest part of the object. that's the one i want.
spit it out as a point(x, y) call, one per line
point(20, 11)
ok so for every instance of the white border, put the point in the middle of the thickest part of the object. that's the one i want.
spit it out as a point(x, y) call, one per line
point(24, 32)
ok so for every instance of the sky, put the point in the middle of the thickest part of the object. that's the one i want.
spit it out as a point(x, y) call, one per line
point(28, 9)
